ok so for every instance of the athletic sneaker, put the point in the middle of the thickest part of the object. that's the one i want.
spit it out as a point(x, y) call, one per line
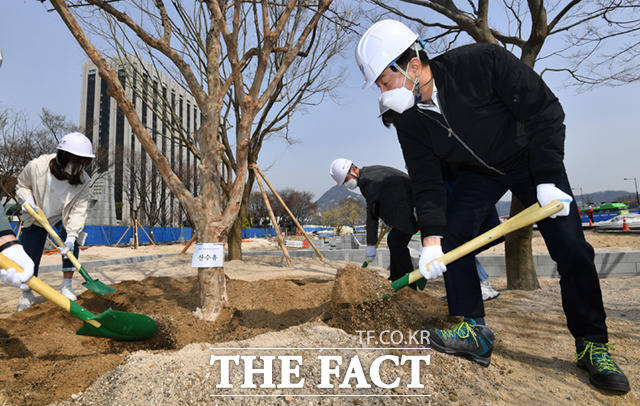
point(488, 292)
point(26, 300)
point(467, 339)
point(603, 372)
point(67, 291)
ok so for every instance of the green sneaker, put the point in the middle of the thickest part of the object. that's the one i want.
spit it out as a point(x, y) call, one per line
point(603, 372)
point(468, 339)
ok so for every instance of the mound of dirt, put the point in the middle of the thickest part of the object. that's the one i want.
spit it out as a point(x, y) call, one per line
point(356, 304)
point(44, 361)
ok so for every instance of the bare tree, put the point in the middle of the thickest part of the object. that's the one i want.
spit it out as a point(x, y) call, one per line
point(350, 212)
point(21, 141)
point(214, 49)
point(595, 41)
point(299, 202)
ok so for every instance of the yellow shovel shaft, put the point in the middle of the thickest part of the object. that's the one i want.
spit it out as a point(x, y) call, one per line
point(43, 289)
point(532, 214)
point(42, 219)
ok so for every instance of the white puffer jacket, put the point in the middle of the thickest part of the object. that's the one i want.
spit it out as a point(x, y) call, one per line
point(32, 183)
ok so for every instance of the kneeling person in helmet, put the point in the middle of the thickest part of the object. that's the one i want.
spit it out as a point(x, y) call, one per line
point(59, 185)
point(387, 192)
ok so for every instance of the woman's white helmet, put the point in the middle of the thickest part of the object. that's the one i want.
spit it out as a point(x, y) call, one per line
point(77, 144)
point(383, 42)
point(339, 169)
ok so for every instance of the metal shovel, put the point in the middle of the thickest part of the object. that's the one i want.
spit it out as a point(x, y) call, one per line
point(111, 323)
point(90, 283)
point(526, 217)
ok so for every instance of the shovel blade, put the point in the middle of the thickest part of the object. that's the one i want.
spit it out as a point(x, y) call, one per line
point(121, 325)
point(98, 287)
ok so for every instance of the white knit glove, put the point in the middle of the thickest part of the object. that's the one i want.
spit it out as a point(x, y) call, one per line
point(371, 252)
point(427, 257)
point(11, 276)
point(68, 245)
point(548, 192)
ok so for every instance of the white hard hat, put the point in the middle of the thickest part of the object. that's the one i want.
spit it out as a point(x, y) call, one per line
point(383, 42)
point(77, 144)
point(339, 169)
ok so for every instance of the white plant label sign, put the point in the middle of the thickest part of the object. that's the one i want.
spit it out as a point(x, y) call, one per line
point(208, 255)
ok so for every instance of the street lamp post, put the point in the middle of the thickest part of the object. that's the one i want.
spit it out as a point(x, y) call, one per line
point(635, 181)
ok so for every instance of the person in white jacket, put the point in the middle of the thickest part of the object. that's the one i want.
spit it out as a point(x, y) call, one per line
point(59, 185)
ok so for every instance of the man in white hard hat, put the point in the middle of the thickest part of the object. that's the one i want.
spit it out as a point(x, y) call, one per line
point(490, 116)
point(59, 185)
point(388, 195)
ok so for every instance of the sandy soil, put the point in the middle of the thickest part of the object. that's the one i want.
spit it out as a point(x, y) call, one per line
point(43, 360)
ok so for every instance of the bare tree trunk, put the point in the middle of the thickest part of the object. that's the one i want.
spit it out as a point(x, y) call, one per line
point(213, 292)
point(521, 274)
point(234, 239)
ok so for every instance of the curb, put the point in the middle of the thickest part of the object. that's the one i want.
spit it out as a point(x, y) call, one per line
point(105, 262)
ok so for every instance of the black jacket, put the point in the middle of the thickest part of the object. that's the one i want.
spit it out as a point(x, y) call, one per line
point(388, 195)
point(498, 113)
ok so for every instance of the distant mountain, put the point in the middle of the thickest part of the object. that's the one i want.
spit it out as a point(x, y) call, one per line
point(332, 197)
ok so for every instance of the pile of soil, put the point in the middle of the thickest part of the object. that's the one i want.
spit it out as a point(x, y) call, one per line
point(44, 361)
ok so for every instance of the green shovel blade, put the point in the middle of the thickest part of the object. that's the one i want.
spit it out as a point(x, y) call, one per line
point(121, 325)
point(365, 263)
point(94, 284)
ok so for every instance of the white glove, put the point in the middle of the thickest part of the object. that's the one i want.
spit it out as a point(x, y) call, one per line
point(436, 268)
point(30, 202)
point(548, 192)
point(68, 245)
point(16, 254)
point(371, 252)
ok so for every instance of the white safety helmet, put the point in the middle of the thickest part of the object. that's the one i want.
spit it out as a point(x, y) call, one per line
point(77, 144)
point(383, 42)
point(339, 169)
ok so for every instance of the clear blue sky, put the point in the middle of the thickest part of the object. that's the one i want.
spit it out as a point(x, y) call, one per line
point(42, 68)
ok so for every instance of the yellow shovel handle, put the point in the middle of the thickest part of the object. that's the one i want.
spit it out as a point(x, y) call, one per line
point(42, 219)
point(43, 289)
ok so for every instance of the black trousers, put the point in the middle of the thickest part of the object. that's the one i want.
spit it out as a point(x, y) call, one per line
point(33, 239)
point(401, 264)
point(472, 197)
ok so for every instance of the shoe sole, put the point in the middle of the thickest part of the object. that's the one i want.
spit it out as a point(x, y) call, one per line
point(491, 298)
point(484, 361)
point(620, 389)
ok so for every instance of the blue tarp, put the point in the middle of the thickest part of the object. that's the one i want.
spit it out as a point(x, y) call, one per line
point(109, 235)
point(258, 232)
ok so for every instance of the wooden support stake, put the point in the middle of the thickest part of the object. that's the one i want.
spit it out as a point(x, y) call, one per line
point(273, 219)
point(148, 236)
point(186, 247)
point(135, 234)
point(257, 170)
point(123, 234)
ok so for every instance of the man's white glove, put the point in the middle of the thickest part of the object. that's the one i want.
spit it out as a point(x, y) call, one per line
point(30, 202)
point(68, 245)
point(16, 254)
point(548, 192)
point(437, 268)
point(371, 252)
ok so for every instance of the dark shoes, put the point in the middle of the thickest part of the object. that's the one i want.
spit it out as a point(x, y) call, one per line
point(467, 339)
point(603, 372)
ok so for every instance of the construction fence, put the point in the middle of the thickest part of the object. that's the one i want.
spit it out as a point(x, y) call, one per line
point(110, 235)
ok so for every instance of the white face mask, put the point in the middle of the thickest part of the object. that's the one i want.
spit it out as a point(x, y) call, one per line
point(399, 99)
point(351, 184)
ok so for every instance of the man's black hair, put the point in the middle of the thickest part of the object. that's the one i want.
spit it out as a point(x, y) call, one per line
point(409, 54)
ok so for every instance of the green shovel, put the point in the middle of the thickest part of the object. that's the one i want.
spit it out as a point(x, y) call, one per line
point(91, 284)
point(112, 323)
point(526, 217)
